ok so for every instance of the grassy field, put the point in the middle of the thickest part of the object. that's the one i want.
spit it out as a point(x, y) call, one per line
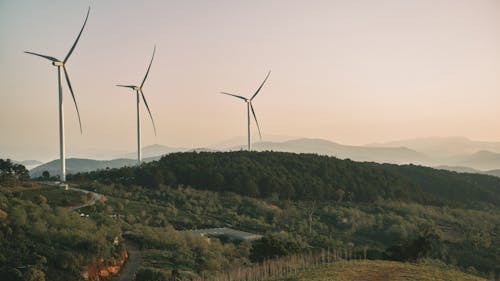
point(55, 196)
point(382, 271)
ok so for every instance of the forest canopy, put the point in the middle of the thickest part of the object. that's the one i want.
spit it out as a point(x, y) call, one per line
point(305, 177)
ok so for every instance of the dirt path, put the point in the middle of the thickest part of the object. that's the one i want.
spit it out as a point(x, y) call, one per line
point(127, 273)
point(95, 197)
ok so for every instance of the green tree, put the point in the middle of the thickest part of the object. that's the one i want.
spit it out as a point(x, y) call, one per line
point(148, 274)
point(275, 245)
point(34, 274)
point(46, 175)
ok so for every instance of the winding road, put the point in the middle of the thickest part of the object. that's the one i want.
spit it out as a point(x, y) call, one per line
point(95, 198)
point(127, 272)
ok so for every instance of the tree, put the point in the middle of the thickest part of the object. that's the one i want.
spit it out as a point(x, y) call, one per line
point(426, 245)
point(10, 171)
point(40, 199)
point(34, 274)
point(309, 208)
point(275, 245)
point(148, 274)
point(11, 274)
point(46, 175)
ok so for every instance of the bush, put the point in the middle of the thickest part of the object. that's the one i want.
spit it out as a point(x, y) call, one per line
point(148, 274)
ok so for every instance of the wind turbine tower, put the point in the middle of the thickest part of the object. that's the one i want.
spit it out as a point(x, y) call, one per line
point(250, 108)
point(138, 91)
point(62, 64)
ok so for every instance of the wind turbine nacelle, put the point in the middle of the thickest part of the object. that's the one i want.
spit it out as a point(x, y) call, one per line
point(57, 63)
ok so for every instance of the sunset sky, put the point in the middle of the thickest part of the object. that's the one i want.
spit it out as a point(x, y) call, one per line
point(351, 71)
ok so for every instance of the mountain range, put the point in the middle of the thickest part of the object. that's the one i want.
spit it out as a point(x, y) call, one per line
point(75, 165)
point(443, 147)
point(455, 154)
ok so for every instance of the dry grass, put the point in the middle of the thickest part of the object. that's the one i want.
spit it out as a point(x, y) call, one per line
point(382, 271)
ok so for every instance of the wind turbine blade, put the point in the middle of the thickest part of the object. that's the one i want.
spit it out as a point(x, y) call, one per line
point(126, 86)
point(149, 67)
point(43, 56)
point(240, 97)
point(74, 99)
point(77, 38)
point(257, 122)
point(258, 90)
point(149, 111)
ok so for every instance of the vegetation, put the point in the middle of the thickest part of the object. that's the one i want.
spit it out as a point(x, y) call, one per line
point(52, 195)
point(54, 244)
point(296, 177)
point(468, 239)
point(376, 212)
point(11, 172)
point(382, 270)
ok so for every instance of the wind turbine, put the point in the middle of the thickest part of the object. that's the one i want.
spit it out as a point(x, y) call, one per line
point(62, 64)
point(250, 107)
point(139, 92)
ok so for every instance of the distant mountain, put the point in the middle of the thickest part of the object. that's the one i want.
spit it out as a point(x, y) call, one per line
point(442, 147)
point(29, 164)
point(75, 165)
point(459, 169)
point(202, 149)
point(481, 160)
point(317, 146)
point(454, 154)
point(495, 173)
point(241, 142)
point(396, 155)
point(154, 150)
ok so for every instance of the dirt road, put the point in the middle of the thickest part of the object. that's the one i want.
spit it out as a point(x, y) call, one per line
point(127, 273)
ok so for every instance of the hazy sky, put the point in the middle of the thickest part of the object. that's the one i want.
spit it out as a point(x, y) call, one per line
point(352, 71)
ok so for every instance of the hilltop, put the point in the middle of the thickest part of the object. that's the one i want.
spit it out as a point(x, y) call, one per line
point(307, 177)
point(455, 154)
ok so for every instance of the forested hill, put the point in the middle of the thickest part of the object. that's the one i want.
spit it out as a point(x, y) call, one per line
point(306, 177)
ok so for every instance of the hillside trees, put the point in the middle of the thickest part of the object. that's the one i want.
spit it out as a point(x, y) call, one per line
point(276, 245)
point(41, 242)
point(10, 171)
point(308, 177)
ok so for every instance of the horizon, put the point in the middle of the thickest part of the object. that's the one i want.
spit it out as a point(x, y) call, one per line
point(420, 76)
point(222, 145)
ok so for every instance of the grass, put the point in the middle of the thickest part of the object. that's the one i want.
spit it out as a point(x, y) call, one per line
point(381, 271)
point(55, 196)
point(156, 259)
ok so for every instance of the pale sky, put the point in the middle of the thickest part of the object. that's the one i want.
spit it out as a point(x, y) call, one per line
point(351, 71)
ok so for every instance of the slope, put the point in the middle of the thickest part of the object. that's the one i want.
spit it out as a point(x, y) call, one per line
point(383, 271)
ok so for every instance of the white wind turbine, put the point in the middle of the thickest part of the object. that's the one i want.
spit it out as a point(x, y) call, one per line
point(139, 92)
point(250, 107)
point(62, 64)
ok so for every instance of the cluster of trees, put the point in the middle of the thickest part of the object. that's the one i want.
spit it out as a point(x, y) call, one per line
point(426, 245)
point(382, 230)
point(40, 242)
point(276, 245)
point(185, 252)
point(10, 171)
point(305, 177)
